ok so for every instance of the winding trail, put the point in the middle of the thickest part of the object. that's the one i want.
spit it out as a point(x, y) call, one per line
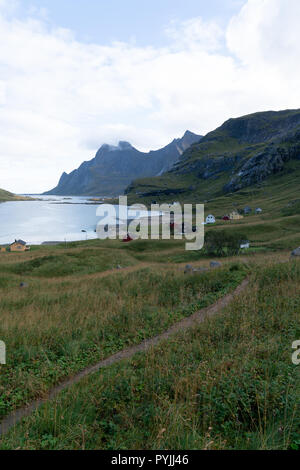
point(198, 317)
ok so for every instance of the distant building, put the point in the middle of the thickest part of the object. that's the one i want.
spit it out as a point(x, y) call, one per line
point(235, 216)
point(19, 245)
point(226, 217)
point(210, 219)
point(247, 210)
point(258, 210)
point(2, 249)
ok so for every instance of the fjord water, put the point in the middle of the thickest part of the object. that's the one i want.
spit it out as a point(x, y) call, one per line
point(54, 218)
point(51, 218)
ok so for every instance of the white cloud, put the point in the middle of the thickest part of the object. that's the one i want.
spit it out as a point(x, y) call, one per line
point(196, 33)
point(61, 99)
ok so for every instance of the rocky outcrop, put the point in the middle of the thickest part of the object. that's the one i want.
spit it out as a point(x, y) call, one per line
point(266, 163)
point(210, 167)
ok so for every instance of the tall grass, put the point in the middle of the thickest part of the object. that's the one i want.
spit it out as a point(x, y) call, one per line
point(228, 383)
point(55, 327)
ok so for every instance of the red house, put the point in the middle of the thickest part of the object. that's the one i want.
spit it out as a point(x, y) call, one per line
point(127, 239)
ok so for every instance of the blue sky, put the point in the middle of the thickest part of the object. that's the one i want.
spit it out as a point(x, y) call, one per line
point(143, 21)
point(75, 74)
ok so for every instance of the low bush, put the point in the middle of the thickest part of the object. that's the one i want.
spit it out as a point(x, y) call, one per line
point(223, 242)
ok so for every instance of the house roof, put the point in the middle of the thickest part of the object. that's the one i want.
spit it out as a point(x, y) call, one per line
point(20, 242)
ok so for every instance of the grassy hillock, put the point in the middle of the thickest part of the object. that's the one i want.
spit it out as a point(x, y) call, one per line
point(7, 196)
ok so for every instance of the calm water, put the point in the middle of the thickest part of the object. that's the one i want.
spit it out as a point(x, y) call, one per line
point(47, 220)
point(53, 218)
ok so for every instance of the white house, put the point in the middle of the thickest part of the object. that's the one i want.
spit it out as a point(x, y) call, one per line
point(210, 219)
point(245, 246)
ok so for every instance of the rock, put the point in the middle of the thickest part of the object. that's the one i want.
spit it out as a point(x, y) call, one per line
point(215, 264)
point(188, 269)
point(296, 252)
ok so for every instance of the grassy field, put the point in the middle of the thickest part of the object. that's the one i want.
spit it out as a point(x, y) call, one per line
point(226, 384)
point(58, 324)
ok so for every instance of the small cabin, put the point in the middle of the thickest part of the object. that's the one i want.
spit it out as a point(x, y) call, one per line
point(210, 219)
point(247, 210)
point(226, 217)
point(258, 210)
point(19, 245)
point(245, 245)
point(127, 239)
point(235, 216)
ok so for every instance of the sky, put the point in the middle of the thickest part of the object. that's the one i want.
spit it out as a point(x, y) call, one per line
point(75, 74)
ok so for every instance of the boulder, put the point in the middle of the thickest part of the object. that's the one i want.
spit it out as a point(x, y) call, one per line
point(215, 264)
point(188, 269)
point(296, 252)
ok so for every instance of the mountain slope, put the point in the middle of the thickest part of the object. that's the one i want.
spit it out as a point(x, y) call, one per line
point(114, 168)
point(243, 152)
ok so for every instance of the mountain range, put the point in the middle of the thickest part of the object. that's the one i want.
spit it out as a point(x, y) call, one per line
point(244, 152)
point(115, 167)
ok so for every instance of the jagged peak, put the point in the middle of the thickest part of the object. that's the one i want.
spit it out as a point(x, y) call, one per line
point(122, 145)
point(188, 133)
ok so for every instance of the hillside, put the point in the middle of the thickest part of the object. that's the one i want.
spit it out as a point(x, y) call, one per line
point(115, 167)
point(7, 196)
point(243, 153)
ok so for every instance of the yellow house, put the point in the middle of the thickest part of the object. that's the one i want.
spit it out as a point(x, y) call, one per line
point(235, 216)
point(18, 245)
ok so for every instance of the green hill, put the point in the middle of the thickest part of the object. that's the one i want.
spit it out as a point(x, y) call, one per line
point(244, 154)
point(7, 196)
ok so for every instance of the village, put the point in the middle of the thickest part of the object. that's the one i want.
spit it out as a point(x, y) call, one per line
point(20, 246)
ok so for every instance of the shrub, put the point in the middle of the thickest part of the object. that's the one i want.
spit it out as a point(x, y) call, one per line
point(223, 243)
